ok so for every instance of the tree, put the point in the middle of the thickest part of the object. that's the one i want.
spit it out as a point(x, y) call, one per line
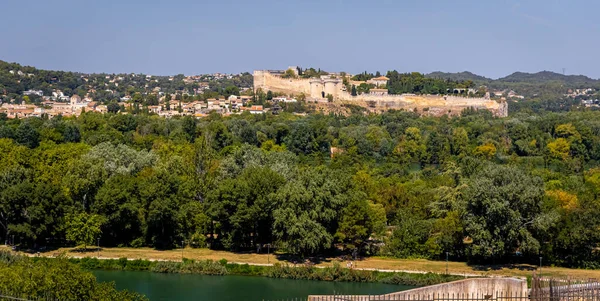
point(71, 133)
point(438, 148)
point(113, 107)
point(27, 135)
point(487, 151)
point(409, 236)
point(360, 219)
point(353, 90)
point(151, 100)
point(84, 228)
point(411, 147)
point(189, 128)
point(559, 149)
point(329, 97)
point(55, 279)
point(503, 212)
point(231, 90)
point(289, 73)
point(308, 209)
point(460, 141)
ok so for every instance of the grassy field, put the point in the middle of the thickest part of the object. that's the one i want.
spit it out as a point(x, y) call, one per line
point(379, 263)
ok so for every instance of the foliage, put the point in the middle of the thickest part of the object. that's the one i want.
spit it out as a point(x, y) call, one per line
point(56, 279)
point(83, 228)
point(417, 83)
point(396, 184)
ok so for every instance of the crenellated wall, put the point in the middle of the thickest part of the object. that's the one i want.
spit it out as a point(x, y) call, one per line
point(317, 89)
point(269, 82)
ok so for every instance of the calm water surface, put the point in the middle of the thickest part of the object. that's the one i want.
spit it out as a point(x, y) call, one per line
point(181, 287)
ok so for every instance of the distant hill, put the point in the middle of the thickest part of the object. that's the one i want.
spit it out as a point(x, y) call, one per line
point(460, 76)
point(548, 76)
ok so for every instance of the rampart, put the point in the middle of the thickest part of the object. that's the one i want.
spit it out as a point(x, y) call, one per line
point(268, 82)
point(317, 89)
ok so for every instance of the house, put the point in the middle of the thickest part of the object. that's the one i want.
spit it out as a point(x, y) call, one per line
point(256, 110)
point(34, 92)
point(154, 109)
point(75, 99)
point(101, 109)
point(379, 81)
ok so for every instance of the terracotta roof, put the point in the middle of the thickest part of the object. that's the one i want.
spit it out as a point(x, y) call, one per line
point(380, 78)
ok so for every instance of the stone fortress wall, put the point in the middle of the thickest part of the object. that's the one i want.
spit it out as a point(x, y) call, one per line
point(317, 89)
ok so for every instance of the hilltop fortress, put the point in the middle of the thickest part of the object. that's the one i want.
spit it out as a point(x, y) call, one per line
point(376, 100)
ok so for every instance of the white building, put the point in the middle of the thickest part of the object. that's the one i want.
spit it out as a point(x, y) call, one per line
point(34, 92)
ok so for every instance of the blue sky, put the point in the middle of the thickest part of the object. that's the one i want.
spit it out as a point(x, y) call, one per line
point(489, 37)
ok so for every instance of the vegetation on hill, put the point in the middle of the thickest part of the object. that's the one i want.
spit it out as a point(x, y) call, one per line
point(548, 76)
point(402, 185)
point(109, 87)
point(55, 279)
point(459, 76)
point(418, 83)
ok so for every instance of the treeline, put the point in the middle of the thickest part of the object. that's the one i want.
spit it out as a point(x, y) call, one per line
point(55, 279)
point(417, 83)
point(395, 184)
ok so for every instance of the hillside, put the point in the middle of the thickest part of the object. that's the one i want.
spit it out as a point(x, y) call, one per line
point(16, 79)
point(548, 76)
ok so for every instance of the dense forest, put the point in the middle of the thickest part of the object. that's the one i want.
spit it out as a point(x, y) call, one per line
point(396, 184)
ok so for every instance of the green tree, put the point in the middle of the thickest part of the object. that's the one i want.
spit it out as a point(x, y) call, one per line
point(27, 135)
point(460, 141)
point(307, 212)
point(503, 212)
point(411, 147)
point(84, 228)
point(189, 128)
point(113, 107)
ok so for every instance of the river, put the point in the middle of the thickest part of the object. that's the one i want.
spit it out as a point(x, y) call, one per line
point(184, 287)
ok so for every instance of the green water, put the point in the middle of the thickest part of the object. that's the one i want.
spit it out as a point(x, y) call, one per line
point(181, 287)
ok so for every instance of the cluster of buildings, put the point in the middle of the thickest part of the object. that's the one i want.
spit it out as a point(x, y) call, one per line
point(232, 105)
point(506, 94)
point(74, 107)
point(588, 96)
point(573, 93)
point(116, 87)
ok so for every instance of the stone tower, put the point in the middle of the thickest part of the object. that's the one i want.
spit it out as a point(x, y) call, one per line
point(332, 86)
point(316, 88)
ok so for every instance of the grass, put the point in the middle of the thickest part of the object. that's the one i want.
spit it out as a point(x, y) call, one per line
point(379, 263)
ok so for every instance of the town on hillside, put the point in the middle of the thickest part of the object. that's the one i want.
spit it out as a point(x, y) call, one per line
point(30, 92)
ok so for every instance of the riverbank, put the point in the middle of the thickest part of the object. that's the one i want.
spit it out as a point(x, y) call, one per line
point(372, 263)
point(335, 273)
